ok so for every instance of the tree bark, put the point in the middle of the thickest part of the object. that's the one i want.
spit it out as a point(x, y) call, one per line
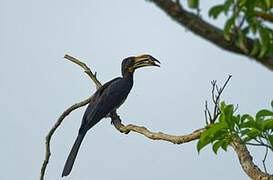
point(246, 161)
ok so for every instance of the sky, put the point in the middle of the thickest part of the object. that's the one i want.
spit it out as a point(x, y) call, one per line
point(37, 85)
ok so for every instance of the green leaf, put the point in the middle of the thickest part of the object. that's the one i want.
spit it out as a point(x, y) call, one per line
point(253, 133)
point(242, 3)
point(249, 124)
point(194, 4)
point(222, 117)
point(241, 41)
point(201, 144)
point(227, 5)
point(270, 138)
point(255, 49)
point(245, 118)
point(267, 124)
point(244, 132)
point(236, 119)
point(253, 24)
point(225, 145)
point(216, 10)
point(246, 30)
point(228, 111)
point(263, 113)
point(217, 145)
point(208, 135)
point(247, 138)
point(263, 51)
point(272, 103)
point(221, 134)
point(228, 27)
point(265, 41)
point(222, 106)
point(268, 3)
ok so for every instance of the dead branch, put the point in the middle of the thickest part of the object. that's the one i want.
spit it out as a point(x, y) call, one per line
point(54, 128)
point(153, 135)
point(67, 112)
point(216, 93)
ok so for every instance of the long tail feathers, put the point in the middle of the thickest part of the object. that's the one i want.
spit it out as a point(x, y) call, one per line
point(72, 155)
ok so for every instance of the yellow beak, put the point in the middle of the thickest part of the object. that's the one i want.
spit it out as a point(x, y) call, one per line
point(145, 60)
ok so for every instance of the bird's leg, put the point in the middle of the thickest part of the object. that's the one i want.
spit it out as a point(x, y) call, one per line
point(114, 118)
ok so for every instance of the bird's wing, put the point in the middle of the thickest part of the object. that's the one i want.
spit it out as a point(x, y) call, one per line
point(92, 107)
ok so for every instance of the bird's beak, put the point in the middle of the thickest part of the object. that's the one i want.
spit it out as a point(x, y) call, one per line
point(145, 60)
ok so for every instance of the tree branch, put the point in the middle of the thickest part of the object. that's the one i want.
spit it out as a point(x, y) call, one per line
point(87, 70)
point(152, 135)
point(265, 16)
point(209, 32)
point(54, 128)
point(246, 161)
point(67, 112)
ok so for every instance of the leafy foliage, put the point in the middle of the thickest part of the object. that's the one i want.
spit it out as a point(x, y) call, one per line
point(258, 129)
point(246, 19)
point(194, 4)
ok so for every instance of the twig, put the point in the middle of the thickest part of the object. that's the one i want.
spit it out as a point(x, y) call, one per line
point(216, 93)
point(265, 156)
point(260, 144)
point(54, 128)
point(88, 71)
point(206, 113)
point(265, 16)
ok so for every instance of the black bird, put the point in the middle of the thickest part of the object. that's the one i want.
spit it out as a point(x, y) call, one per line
point(107, 99)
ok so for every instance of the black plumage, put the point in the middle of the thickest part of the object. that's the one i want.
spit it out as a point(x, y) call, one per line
point(107, 99)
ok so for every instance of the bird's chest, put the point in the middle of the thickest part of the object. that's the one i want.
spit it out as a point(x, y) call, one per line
point(118, 94)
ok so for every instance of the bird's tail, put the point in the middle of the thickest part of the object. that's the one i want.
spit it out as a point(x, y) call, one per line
point(72, 155)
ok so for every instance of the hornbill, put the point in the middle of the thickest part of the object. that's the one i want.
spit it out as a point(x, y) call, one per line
point(107, 99)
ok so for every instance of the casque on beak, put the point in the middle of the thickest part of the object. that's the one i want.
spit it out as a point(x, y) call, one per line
point(145, 60)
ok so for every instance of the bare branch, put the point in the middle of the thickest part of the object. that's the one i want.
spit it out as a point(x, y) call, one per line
point(260, 144)
point(216, 93)
point(265, 156)
point(265, 16)
point(54, 128)
point(206, 112)
point(152, 135)
point(87, 70)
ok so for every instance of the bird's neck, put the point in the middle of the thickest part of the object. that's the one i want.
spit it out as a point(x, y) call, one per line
point(128, 76)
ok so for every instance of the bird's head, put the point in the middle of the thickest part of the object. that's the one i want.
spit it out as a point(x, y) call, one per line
point(130, 64)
